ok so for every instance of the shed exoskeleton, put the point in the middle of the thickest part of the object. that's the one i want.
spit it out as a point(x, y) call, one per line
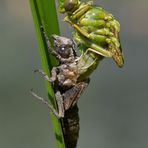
point(67, 86)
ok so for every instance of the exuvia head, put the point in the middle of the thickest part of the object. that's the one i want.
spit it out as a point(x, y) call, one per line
point(64, 46)
point(68, 6)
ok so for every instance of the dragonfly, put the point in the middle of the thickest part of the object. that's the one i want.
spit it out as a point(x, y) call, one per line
point(96, 36)
point(96, 30)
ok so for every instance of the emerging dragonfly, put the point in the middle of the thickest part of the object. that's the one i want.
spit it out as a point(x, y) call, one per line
point(97, 34)
point(96, 29)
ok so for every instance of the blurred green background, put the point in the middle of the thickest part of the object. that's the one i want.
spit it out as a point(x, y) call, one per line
point(113, 110)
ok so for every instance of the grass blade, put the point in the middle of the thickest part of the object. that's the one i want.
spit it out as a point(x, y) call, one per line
point(44, 14)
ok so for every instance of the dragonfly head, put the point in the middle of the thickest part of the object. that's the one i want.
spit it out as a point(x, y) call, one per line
point(64, 46)
point(69, 6)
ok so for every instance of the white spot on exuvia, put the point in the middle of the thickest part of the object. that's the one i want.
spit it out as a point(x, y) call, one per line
point(63, 48)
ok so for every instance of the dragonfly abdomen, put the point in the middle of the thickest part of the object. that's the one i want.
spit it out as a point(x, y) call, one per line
point(71, 127)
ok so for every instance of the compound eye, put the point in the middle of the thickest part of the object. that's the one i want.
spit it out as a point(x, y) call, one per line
point(70, 5)
point(64, 52)
point(62, 48)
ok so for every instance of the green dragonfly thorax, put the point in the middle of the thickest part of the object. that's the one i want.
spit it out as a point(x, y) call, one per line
point(87, 64)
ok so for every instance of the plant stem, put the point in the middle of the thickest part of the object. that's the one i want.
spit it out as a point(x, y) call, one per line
point(44, 14)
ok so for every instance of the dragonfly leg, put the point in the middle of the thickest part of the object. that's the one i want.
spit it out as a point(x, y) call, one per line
point(45, 76)
point(51, 50)
point(59, 99)
point(66, 100)
point(52, 109)
point(42, 73)
point(94, 47)
point(81, 10)
point(46, 38)
point(53, 74)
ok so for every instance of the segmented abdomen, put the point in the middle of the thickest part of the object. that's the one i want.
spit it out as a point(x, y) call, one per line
point(71, 127)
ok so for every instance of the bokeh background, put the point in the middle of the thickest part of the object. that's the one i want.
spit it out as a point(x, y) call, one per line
point(113, 110)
